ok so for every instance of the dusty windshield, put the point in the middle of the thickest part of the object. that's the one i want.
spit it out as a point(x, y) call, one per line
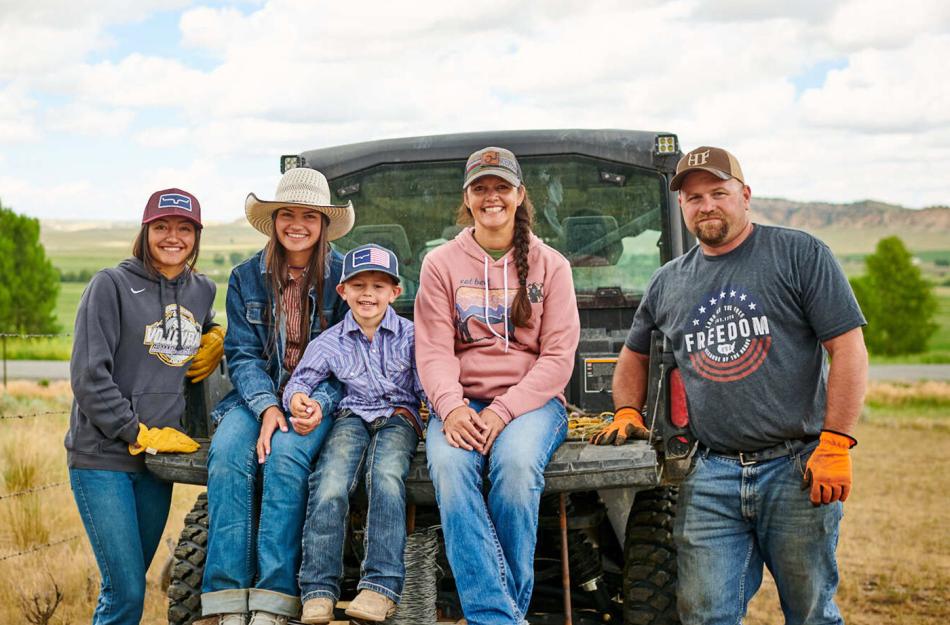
point(603, 216)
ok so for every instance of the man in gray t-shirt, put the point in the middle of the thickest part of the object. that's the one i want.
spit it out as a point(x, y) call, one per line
point(751, 313)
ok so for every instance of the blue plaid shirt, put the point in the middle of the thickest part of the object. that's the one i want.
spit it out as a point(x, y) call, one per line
point(378, 375)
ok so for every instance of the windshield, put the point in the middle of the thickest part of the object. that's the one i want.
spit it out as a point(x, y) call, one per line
point(603, 216)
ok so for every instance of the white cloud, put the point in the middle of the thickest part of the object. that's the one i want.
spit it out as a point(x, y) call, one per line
point(885, 24)
point(886, 91)
point(47, 35)
point(17, 117)
point(163, 137)
point(291, 75)
point(83, 119)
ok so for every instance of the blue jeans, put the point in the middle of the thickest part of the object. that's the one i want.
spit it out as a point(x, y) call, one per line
point(124, 514)
point(252, 565)
point(733, 519)
point(490, 545)
point(382, 450)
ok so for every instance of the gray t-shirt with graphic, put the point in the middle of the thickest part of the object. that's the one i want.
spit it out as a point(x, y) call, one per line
point(746, 329)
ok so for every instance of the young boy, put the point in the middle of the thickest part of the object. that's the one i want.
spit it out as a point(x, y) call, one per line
point(376, 431)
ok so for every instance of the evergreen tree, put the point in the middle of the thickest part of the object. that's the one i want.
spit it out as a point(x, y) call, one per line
point(897, 301)
point(29, 284)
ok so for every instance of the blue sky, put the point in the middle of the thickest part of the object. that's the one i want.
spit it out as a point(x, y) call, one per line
point(104, 101)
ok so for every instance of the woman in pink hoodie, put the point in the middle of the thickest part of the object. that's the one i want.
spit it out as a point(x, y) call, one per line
point(496, 330)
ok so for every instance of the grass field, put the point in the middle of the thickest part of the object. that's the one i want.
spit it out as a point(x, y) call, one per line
point(894, 552)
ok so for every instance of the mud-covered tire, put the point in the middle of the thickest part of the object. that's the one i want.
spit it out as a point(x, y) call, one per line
point(649, 571)
point(184, 592)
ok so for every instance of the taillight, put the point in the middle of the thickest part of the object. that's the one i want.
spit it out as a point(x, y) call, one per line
point(679, 413)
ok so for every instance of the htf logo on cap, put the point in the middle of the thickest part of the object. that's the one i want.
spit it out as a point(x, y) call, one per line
point(698, 158)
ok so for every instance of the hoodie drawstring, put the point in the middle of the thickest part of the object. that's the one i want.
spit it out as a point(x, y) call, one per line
point(504, 304)
point(178, 313)
point(161, 307)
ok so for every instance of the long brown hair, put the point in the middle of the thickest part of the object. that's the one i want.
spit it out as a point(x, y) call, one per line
point(524, 219)
point(140, 250)
point(275, 257)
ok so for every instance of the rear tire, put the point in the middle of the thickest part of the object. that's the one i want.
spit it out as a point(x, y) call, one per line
point(184, 592)
point(649, 570)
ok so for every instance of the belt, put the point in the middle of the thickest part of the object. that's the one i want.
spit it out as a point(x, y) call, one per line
point(746, 458)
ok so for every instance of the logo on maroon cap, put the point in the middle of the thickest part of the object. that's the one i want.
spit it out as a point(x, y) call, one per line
point(175, 200)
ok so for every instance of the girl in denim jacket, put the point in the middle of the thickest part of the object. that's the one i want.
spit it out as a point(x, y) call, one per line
point(278, 301)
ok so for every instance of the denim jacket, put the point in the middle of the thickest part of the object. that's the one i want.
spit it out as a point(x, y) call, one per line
point(251, 313)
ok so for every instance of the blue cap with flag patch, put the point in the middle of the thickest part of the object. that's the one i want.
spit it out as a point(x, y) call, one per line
point(370, 257)
point(172, 203)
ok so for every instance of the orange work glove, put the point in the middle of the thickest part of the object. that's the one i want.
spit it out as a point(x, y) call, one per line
point(162, 440)
point(828, 472)
point(208, 356)
point(627, 423)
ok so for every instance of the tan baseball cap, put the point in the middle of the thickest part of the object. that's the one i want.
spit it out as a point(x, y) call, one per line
point(492, 161)
point(716, 161)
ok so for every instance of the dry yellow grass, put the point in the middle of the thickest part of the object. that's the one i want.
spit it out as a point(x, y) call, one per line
point(32, 455)
point(894, 552)
point(894, 549)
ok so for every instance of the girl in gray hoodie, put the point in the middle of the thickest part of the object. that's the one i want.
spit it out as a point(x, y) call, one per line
point(138, 327)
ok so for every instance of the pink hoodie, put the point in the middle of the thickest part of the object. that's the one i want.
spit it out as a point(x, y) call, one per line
point(459, 355)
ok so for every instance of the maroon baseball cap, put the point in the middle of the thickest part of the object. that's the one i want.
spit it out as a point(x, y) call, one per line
point(172, 203)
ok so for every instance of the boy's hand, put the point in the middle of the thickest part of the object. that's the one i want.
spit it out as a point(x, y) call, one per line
point(312, 415)
point(272, 419)
point(301, 406)
point(463, 427)
point(494, 425)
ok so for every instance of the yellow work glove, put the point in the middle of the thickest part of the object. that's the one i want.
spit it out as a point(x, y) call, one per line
point(208, 356)
point(627, 423)
point(828, 472)
point(162, 440)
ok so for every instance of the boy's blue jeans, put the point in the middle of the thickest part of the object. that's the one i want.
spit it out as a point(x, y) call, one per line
point(490, 545)
point(382, 451)
point(251, 565)
point(732, 519)
point(124, 514)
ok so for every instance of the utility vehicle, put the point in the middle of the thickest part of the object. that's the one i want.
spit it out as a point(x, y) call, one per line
point(602, 199)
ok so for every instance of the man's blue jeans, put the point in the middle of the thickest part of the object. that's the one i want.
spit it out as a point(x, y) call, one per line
point(732, 519)
point(124, 515)
point(491, 546)
point(382, 450)
point(251, 565)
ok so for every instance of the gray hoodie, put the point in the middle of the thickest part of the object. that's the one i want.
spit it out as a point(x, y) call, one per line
point(135, 336)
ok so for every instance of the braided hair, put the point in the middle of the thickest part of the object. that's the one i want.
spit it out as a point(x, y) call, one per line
point(524, 219)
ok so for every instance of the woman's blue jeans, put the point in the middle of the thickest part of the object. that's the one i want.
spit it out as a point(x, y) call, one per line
point(490, 541)
point(382, 450)
point(253, 558)
point(732, 519)
point(124, 514)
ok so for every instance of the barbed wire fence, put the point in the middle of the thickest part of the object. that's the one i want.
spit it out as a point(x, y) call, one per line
point(5, 336)
point(10, 498)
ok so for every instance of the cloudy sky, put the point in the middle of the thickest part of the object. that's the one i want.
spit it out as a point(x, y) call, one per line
point(104, 101)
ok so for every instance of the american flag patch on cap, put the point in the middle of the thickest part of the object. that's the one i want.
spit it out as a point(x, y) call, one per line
point(371, 256)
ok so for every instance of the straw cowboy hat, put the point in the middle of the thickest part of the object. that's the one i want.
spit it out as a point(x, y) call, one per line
point(302, 187)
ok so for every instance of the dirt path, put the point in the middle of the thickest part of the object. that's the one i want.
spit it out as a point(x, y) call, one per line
point(894, 552)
